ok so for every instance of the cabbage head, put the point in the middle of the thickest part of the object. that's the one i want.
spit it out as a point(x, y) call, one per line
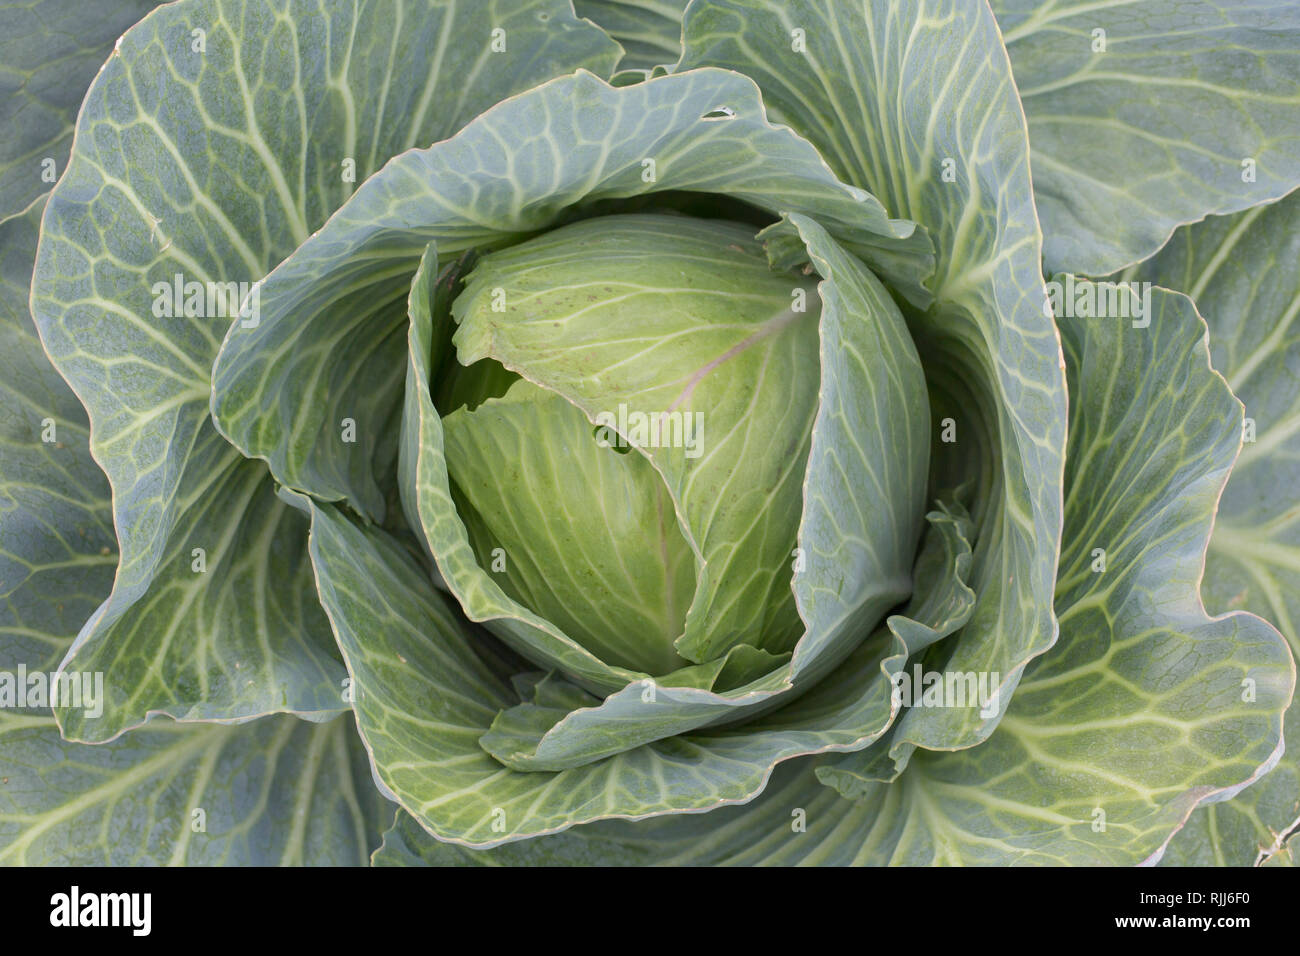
point(625, 432)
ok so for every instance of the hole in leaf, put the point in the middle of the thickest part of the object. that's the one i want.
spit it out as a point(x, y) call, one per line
point(611, 439)
point(721, 113)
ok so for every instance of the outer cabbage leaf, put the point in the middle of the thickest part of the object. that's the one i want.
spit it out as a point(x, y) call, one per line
point(49, 52)
point(1243, 271)
point(1067, 777)
point(216, 138)
point(57, 552)
point(793, 822)
point(650, 31)
point(303, 792)
point(274, 792)
point(1144, 116)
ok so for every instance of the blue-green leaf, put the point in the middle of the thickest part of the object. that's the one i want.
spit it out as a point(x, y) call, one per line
point(215, 139)
point(275, 792)
point(1243, 271)
point(49, 52)
point(649, 30)
point(279, 791)
point(1145, 116)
